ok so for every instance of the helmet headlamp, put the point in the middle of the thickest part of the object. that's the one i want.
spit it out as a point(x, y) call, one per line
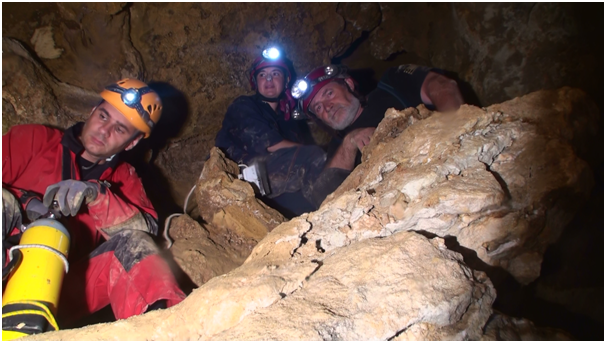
point(299, 88)
point(297, 114)
point(271, 53)
point(131, 97)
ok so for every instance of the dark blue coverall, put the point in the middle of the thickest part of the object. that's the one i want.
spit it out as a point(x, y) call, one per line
point(251, 126)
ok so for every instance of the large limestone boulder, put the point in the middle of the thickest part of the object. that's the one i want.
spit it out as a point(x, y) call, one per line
point(234, 222)
point(504, 180)
point(238, 219)
point(369, 290)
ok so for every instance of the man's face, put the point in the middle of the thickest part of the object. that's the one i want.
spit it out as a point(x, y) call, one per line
point(270, 82)
point(335, 105)
point(107, 132)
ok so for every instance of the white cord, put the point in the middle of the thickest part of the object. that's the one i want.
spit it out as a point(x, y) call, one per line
point(45, 247)
point(167, 224)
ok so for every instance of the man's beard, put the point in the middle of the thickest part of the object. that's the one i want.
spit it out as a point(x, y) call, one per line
point(350, 114)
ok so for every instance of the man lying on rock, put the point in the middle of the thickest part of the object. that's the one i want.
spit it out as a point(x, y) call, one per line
point(113, 259)
point(328, 93)
point(258, 129)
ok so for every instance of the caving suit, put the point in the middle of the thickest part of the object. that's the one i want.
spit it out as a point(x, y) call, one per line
point(113, 259)
point(251, 126)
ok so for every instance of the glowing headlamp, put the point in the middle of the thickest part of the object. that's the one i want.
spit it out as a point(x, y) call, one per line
point(271, 53)
point(131, 97)
point(299, 88)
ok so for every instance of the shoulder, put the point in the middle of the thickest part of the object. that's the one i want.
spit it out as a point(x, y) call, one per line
point(34, 131)
point(410, 71)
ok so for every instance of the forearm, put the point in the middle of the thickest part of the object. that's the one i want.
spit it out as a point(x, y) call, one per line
point(344, 158)
point(442, 92)
point(281, 145)
point(112, 214)
point(447, 99)
point(140, 221)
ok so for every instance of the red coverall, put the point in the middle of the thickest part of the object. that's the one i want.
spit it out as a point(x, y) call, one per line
point(126, 270)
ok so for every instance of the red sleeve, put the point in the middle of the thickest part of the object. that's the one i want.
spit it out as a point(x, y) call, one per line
point(19, 146)
point(122, 201)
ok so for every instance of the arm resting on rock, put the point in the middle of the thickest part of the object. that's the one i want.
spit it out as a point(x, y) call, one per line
point(442, 92)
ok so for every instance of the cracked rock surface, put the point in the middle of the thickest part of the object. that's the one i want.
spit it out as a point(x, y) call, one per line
point(373, 262)
point(504, 180)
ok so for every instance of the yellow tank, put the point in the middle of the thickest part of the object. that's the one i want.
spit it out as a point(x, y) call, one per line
point(31, 297)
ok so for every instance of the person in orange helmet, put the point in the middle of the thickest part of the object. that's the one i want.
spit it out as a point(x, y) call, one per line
point(113, 258)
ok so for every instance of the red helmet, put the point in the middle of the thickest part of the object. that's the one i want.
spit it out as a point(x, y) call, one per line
point(270, 58)
point(305, 89)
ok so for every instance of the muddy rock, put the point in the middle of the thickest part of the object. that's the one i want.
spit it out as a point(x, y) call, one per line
point(197, 255)
point(237, 219)
point(504, 180)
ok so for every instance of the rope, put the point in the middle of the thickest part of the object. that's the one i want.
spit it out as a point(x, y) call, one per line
point(40, 246)
point(167, 223)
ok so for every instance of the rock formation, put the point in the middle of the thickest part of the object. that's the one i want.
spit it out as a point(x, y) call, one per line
point(483, 189)
point(365, 265)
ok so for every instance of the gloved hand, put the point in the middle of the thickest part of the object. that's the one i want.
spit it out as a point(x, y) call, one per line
point(35, 209)
point(70, 194)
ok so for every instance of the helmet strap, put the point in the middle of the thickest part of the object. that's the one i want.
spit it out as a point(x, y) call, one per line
point(264, 98)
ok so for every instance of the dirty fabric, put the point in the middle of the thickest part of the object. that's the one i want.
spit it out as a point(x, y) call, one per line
point(251, 126)
point(125, 272)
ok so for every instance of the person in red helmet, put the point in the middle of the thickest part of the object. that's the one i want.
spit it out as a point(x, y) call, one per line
point(113, 258)
point(258, 129)
point(328, 93)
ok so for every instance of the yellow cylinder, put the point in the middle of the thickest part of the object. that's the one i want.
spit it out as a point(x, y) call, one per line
point(40, 274)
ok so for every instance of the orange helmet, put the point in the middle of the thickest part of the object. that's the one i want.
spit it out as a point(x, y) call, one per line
point(140, 104)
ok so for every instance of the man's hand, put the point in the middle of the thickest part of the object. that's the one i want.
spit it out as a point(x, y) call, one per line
point(70, 194)
point(359, 137)
point(345, 157)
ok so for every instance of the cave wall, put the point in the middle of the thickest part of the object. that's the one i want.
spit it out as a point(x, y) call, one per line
point(199, 53)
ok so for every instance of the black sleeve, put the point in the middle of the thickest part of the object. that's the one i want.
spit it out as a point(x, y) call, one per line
point(404, 82)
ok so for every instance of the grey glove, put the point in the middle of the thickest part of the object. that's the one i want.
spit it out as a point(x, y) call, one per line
point(35, 209)
point(70, 194)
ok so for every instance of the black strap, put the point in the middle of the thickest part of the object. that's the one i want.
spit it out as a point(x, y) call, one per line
point(67, 166)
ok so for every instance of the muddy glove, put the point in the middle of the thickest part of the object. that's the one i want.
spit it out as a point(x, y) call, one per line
point(35, 209)
point(70, 194)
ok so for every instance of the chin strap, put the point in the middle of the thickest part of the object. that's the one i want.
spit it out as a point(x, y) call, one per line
point(264, 98)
